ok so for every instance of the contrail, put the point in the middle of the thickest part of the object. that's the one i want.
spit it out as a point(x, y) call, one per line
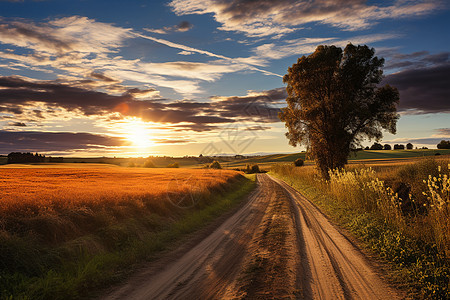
point(190, 49)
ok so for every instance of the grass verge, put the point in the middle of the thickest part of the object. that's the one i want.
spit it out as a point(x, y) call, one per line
point(32, 270)
point(415, 264)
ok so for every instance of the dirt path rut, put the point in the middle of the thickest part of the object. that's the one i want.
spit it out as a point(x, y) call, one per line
point(278, 245)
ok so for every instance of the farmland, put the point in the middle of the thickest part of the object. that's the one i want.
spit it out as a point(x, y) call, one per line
point(67, 227)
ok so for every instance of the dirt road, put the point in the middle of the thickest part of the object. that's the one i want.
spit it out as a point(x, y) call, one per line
point(278, 245)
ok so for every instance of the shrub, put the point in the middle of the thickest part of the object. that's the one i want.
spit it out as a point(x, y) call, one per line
point(251, 169)
point(173, 165)
point(149, 164)
point(215, 165)
point(409, 146)
point(299, 162)
point(399, 147)
point(387, 147)
point(255, 169)
point(376, 146)
point(443, 145)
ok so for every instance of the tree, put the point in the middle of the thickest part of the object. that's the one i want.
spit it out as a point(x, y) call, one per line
point(387, 147)
point(215, 165)
point(399, 147)
point(334, 102)
point(409, 146)
point(443, 145)
point(299, 162)
point(376, 146)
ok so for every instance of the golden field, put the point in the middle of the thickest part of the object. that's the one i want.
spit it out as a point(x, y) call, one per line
point(51, 198)
point(67, 229)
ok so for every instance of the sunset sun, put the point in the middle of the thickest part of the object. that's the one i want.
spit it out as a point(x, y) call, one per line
point(139, 135)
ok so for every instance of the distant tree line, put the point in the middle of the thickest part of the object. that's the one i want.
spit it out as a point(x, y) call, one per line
point(377, 146)
point(21, 158)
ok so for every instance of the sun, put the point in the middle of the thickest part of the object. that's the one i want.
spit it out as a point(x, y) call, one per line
point(139, 134)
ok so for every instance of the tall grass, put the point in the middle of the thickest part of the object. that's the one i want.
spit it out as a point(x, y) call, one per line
point(66, 231)
point(401, 212)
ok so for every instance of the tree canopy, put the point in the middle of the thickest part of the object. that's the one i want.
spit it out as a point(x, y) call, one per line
point(335, 101)
point(443, 145)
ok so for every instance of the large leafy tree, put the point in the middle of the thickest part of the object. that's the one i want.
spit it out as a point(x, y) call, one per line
point(335, 101)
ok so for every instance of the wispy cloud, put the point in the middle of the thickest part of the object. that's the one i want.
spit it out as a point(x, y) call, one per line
point(82, 47)
point(302, 46)
point(278, 17)
point(181, 27)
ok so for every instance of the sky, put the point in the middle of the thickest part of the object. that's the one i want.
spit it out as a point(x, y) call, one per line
point(190, 77)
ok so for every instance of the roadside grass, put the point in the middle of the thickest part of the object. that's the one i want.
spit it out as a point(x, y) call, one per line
point(410, 233)
point(38, 266)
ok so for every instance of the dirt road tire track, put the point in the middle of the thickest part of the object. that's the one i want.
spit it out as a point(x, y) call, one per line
point(277, 246)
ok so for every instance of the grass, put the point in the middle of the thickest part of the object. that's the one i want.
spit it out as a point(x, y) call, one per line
point(398, 212)
point(99, 223)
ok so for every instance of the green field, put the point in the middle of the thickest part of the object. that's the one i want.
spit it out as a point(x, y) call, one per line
point(365, 156)
point(264, 161)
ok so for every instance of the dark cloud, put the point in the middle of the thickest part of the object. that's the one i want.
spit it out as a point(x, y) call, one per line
point(184, 26)
point(421, 59)
point(257, 107)
point(443, 131)
point(425, 90)
point(38, 113)
point(260, 18)
point(18, 124)
point(102, 77)
point(181, 27)
point(168, 141)
point(17, 93)
point(29, 141)
point(29, 33)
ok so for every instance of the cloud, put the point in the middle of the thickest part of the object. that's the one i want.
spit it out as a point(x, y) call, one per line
point(249, 64)
point(424, 90)
point(302, 46)
point(31, 141)
point(17, 94)
point(259, 107)
point(170, 141)
point(443, 132)
point(82, 47)
point(277, 17)
point(21, 97)
point(69, 34)
point(415, 60)
point(102, 77)
point(181, 27)
point(185, 52)
point(17, 124)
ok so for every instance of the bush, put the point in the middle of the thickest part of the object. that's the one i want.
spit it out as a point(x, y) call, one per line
point(387, 147)
point(215, 165)
point(149, 164)
point(444, 145)
point(299, 162)
point(174, 165)
point(376, 146)
point(409, 146)
point(251, 169)
point(399, 147)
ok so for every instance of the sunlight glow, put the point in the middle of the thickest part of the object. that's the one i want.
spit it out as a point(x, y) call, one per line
point(139, 134)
